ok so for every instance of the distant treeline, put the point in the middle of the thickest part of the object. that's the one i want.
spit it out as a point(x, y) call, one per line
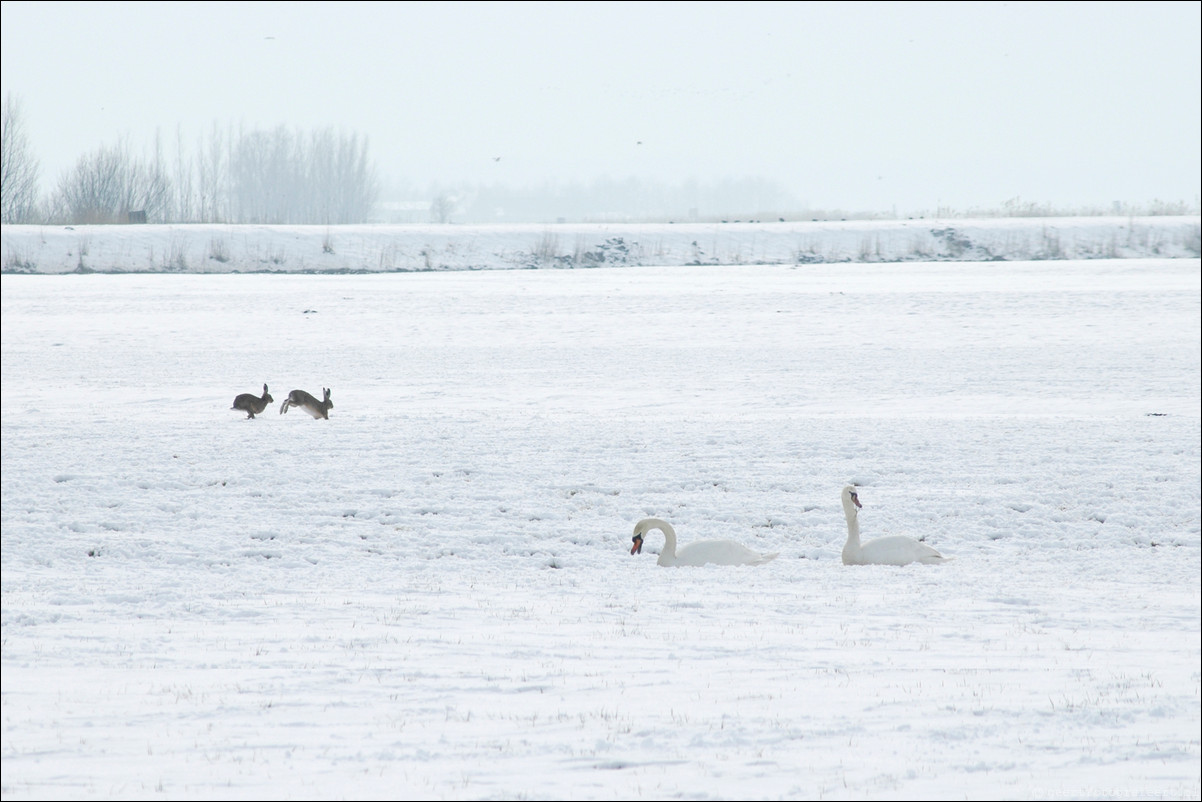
point(234, 175)
point(603, 200)
point(744, 200)
point(326, 177)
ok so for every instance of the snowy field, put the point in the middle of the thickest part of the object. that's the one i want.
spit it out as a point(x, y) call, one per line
point(431, 594)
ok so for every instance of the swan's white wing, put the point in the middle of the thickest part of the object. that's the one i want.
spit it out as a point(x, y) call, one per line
point(719, 552)
point(897, 550)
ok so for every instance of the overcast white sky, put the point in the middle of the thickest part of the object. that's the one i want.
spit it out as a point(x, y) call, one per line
point(863, 106)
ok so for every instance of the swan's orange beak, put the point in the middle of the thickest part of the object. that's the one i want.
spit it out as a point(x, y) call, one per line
point(856, 500)
point(637, 548)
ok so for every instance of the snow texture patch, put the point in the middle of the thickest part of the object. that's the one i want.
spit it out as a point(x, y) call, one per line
point(430, 595)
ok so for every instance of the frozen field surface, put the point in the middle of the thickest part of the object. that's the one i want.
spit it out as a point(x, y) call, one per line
point(430, 595)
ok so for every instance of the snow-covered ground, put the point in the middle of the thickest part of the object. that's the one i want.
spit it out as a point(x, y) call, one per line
point(430, 595)
point(408, 248)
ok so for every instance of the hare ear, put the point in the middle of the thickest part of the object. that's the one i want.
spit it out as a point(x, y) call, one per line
point(265, 389)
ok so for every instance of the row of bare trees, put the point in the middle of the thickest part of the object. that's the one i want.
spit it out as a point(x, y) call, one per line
point(278, 176)
point(109, 183)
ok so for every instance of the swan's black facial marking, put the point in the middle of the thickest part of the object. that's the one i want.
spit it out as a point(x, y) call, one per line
point(637, 548)
point(855, 499)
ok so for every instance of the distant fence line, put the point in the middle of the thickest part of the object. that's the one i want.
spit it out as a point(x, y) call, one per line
point(212, 248)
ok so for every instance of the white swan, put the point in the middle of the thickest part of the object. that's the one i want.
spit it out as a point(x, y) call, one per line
point(895, 550)
point(718, 552)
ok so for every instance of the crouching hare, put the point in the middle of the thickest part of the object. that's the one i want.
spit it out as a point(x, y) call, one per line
point(318, 409)
point(251, 404)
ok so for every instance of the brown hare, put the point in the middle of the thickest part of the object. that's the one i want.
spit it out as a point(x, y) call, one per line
point(318, 409)
point(252, 405)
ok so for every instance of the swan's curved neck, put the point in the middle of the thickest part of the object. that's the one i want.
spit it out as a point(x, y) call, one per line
point(669, 539)
point(853, 524)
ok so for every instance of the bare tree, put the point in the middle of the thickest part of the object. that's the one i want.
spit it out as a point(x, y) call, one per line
point(282, 176)
point(105, 186)
point(263, 176)
point(185, 211)
point(342, 181)
point(442, 207)
point(152, 191)
point(213, 179)
point(19, 170)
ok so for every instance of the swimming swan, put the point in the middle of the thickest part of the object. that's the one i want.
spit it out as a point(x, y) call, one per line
point(719, 552)
point(895, 550)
